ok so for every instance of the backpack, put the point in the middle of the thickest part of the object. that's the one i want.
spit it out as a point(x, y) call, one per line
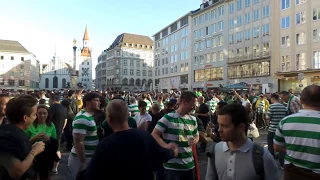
point(257, 160)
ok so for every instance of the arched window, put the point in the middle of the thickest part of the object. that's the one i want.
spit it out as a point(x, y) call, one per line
point(55, 82)
point(64, 83)
point(47, 83)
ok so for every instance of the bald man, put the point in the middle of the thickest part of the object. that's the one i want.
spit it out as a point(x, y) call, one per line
point(127, 153)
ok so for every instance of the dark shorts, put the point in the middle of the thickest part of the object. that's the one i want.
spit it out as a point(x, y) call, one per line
point(59, 144)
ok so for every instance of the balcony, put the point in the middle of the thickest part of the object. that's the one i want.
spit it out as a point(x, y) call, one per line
point(248, 57)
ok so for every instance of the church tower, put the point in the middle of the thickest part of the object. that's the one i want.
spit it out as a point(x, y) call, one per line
point(86, 51)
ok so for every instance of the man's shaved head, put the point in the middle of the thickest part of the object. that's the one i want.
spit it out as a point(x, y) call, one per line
point(311, 96)
point(117, 111)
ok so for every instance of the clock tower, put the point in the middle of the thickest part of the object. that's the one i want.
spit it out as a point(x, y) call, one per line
point(86, 51)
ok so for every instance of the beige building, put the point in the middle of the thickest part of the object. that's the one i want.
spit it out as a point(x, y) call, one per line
point(298, 50)
point(19, 69)
point(172, 56)
point(232, 44)
point(126, 64)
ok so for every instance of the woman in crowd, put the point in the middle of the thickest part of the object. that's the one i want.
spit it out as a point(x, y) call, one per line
point(41, 130)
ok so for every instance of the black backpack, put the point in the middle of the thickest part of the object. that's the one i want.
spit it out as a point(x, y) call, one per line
point(257, 160)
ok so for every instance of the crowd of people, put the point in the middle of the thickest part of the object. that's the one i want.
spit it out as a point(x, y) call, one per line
point(148, 135)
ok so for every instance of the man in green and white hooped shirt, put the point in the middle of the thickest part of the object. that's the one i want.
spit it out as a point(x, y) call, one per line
point(133, 106)
point(180, 128)
point(84, 134)
point(298, 136)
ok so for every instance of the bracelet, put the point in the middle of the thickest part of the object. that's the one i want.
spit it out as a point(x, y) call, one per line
point(32, 154)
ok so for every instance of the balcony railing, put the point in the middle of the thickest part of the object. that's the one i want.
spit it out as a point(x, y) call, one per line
point(247, 57)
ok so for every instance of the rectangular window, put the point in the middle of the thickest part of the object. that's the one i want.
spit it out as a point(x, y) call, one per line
point(214, 14)
point(266, 29)
point(213, 28)
point(301, 18)
point(221, 55)
point(231, 8)
point(221, 10)
point(214, 42)
point(266, 49)
point(138, 72)
point(207, 17)
point(239, 5)
point(256, 15)
point(239, 21)
point(316, 14)
point(256, 50)
point(208, 43)
point(266, 11)
point(231, 54)
point(131, 72)
point(201, 45)
point(285, 22)
point(214, 57)
point(247, 18)
point(316, 35)
point(239, 37)
point(144, 73)
point(12, 58)
point(246, 3)
point(298, 2)
point(196, 60)
point(301, 61)
point(125, 71)
point(201, 59)
point(186, 67)
point(255, 1)
point(208, 58)
point(206, 30)
point(196, 21)
point(316, 59)
point(285, 63)
point(247, 51)
point(182, 56)
point(300, 38)
point(220, 25)
point(231, 23)
point(220, 40)
point(285, 41)
point(256, 32)
point(22, 58)
point(239, 52)
point(181, 67)
point(231, 40)
point(285, 4)
point(247, 34)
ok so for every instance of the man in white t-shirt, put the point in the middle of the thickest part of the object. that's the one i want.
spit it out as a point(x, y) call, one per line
point(244, 99)
point(143, 119)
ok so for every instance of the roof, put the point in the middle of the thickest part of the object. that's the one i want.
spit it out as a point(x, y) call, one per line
point(12, 46)
point(131, 39)
point(86, 34)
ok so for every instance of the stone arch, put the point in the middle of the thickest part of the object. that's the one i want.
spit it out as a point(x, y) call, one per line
point(131, 82)
point(138, 83)
point(55, 82)
point(113, 81)
point(64, 83)
point(144, 82)
point(47, 83)
point(149, 82)
point(125, 81)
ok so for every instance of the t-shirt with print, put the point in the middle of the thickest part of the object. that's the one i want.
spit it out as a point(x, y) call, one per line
point(84, 124)
point(178, 129)
point(140, 119)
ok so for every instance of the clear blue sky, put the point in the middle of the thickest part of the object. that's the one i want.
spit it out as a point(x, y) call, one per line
point(43, 25)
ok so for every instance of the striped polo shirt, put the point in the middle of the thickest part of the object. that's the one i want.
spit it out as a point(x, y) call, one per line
point(276, 113)
point(133, 109)
point(178, 129)
point(299, 133)
point(84, 124)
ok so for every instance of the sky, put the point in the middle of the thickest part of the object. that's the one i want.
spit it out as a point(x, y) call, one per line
point(46, 26)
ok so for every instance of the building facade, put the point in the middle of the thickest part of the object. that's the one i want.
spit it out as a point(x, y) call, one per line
point(19, 69)
point(297, 44)
point(231, 44)
point(126, 64)
point(84, 62)
point(172, 56)
point(55, 74)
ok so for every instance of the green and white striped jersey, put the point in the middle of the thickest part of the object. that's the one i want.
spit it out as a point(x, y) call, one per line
point(84, 124)
point(133, 109)
point(299, 133)
point(178, 129)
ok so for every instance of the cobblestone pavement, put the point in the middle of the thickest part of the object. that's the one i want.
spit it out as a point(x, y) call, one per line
point(64, 173)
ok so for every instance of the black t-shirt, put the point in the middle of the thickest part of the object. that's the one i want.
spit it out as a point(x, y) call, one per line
point(155, 119)
point(127, 155)
point(58, 115)
point(16, 142)
point(203, 109)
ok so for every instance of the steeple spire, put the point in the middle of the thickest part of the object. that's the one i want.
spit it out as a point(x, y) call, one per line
point(86, 35)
